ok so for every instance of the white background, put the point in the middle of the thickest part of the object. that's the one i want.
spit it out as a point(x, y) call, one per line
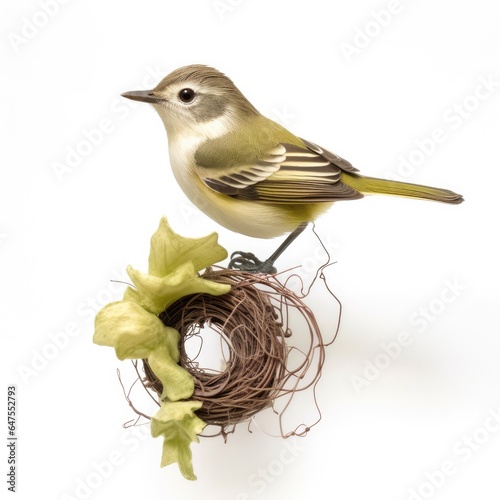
point(64, 237)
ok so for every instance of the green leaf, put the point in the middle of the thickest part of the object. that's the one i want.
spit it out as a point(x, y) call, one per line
point(127, 327)
point(169, 250)
point(180, 427)
point(177, 382)
point(155, 294)
point(133, 328)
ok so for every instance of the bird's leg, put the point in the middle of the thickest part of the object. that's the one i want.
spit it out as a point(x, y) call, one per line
point(245, 261)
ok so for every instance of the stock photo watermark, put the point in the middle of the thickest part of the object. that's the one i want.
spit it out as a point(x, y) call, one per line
point(91, 138)
point(311, 265)
point(462, 451)
point(364, 35)
point(12, 454)
point(58, 341)
point(452, 119)
point(282, 116)
point(99, 471)
point(31, 25)
point(260, 480)
point(419, 320)
point(224, 7)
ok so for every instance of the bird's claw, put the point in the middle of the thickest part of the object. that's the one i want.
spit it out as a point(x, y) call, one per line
point(248, 262)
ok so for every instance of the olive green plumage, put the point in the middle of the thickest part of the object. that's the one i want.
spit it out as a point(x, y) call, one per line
point(246, 171)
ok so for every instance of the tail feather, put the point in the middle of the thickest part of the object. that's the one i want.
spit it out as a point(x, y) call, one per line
point(370, 185)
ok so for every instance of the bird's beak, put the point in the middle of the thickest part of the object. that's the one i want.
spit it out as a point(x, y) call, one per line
point(142, 96)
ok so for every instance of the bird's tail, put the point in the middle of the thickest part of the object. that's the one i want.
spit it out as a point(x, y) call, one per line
point(370, 185)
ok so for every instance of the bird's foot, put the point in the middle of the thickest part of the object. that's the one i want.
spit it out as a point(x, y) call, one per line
point(248, 262)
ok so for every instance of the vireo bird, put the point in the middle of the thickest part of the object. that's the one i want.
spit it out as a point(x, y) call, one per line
point(247, 172)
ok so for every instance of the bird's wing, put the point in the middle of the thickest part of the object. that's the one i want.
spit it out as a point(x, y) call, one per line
point(286, 173)
point(332, 157)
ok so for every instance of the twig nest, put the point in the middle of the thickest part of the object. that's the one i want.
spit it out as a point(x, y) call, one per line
point(171, 304)
point(252, 322)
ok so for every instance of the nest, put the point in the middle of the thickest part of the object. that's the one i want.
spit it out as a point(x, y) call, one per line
point(252, 321)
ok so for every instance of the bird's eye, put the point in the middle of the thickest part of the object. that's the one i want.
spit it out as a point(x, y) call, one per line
point(187, 95)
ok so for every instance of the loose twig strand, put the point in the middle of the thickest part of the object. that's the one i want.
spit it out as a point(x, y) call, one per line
point(253, 321)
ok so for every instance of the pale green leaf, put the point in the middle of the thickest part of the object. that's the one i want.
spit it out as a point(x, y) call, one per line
point(156, 294)
point(169, 250)
point(177, 382)
point(127, 327)
point(180, 427)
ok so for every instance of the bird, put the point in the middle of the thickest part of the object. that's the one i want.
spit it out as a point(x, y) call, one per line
point(249, 173)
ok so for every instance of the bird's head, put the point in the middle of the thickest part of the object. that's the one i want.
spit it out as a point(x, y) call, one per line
point(196, 99)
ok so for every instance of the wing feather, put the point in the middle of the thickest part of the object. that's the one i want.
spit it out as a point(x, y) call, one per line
point(287, 173)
